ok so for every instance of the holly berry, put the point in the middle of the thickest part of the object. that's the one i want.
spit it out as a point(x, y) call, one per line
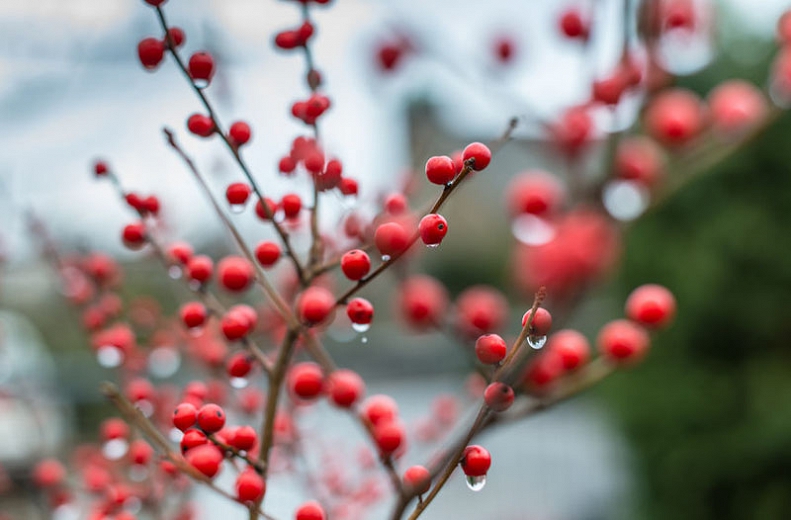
point(360, 311)
point(134, 235)
point(355, 264)
point(49, 473)
point(572, 348)
point(479, 153)
point(309, 511)
point(200, 268)
point(271, 206)
point(239, 133)
point(379, 408)
point(237, 193)
point(184, 416)
point(541, 324)
point(498, 396)
point(250, 487)
point(177, 36)
point(100, 168)
point(235, 273)
point(639, 159)
point(651, 305)
point(151, 51)
point(544, 370)
point(201, 67)
point(574, 25)
point(433, 228)
point(292, 205)
point(674, 117)
point(239, 365)
point(534, 192)
point(206, 458)
point(114, 428)
point(423, 301)
point(211, 418)
point(490, 349)
point(306, 380)
point(267, 253)
point(345, 388)
point(192, 439)
point(200, 125)
point(140, 452)
point(193, 314)
point(417, 479)
point(155, 3)
point(348, 186)
point(475, 461)
point(243, 438)
point(623, 341)
point(286, 165)
point(388, 436)
point(238, 321)
point(315, 305)
point(480, 309)
point(391, 238)
point(180, 252)
point(440, 169)
point(736, 106)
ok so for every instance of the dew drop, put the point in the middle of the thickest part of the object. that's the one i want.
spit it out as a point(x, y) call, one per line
point(145, 407)
point(66, 512)
point(237, 208)
point(109, 356)
point(364, 339)
point(625, 200)
point(175, 434)
point(163, 362)
point(532, 230)
point(175, 272)
point(280, 216)
point(432, 246)
point(239, 382)
point(114, 449)
point(138, 473)
point(385, 258)
point(195, 285)
point(536, 341)
point(476, 483)
point(200, 83)
point(133, 504)
point(361, 327)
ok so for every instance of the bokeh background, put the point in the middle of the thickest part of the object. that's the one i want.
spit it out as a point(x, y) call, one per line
point(701, 430)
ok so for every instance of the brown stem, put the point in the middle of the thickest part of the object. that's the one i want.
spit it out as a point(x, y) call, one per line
point(255, 464)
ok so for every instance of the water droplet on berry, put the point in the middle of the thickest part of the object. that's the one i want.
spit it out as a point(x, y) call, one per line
point(536, 341)
point(145, 407)
point(280, 216)
point(66, 512)
point(237, 208)
point(532, 230)
point(175, 435)
point(114, 449)
point(163, 362)
point(432, 246)
point(476, 483)
point(364, 339)
point(239, 382)
point(133, 504)
point(175, 272)
point(625, 200)
point(195, 285)
point(138, 473)
point(200, 83)
point(385, 258)
point(109, 356)
point(361, 327)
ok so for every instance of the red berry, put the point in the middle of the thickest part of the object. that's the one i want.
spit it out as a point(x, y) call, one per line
point(200, 268)
point(504, 49)
point(261, 212)
point(235, 273)
point(623, 341)
point(417, 479)
point(573, 130)
point(200, 125)
point(239, 365)
point(475, 461)
point(315, 305)
point(490, 349)
point(571, 346)
point(433, 228)
point(155, 3)
point(151, 51)
point(211, 418)
point(379, 408)
point(305, 380)
point(391, 238)
point(639, 159)
point(479, 153)
point(544, 370)
point(423, 301)
point(309, 511)
point(238, 322)
point(651, 305)
point(244, 438)
point(498, 396)
point(573, 25)
point(480, 309)
point(177, 36)
point(609, 90)
point(140, 452)
point(345, 388)
point(292, 205)
point(388, 436)
point(250, 487)
point(395, 203)
point(201, 68)
point(287, 40)
point(440, 169)
point(237, 193)
point(134, 235)
point(736, 106)
point(192, 439)
point(267, 253)
point(180, 252)
point(206, 458)
point(360, 311)
point(100, 168)
point(193, 314)
point(348, 186)
point(184, 416)
point(355, 264)
point(287, 165)
point(534, 192)
point(541, 324)
point(49, 473)
point(239, 133)
point(674, 117)
point(114, 428)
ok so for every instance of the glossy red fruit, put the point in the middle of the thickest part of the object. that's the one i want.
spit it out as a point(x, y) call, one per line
point(623, 341)
point(200, 268)
point(201, 68)
point(379, 408)
point(192, 439)
point(498, 396)
point(440, 169)
point(184, 416)
point(271, 205)
point(180, 252)
point(736, 106)
point(480, 309)
point(177, 36)
point(114, 428)
point(151, 51)
point(490, 349)
point(211, 418)
point(239, 365)
point(475, 461)
point(134, 235)
point(100, 168)
point(433, 228)
point(200, 125)
point(639, 159)
point(315, 305)
point(651, 305)
point(675, 117)
point(544, 370)
point(49, 473)
point(574, 25)
point(206, 458)
point(504, 49)
point(573, 130)
point(240, 133)
point(391, 238)
point(572, 348)
point(345, 388)
point(237, 193)
point(155, 3)
point(479, 153)
point(244, 438)
point(238, 321)
point(395, 203)
point(534, 192)
point(417, 479)
point(306, 380)
point(348, 186)
point(422, 301)
point(355, 264)
point(140, 452)
point(235, 273)
point(360, 311)
point(541, 324)
point(292, 205)
point(193, 314)
point(267, 253)
point(388, 436)
point(310, 511)
point(250, 487)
